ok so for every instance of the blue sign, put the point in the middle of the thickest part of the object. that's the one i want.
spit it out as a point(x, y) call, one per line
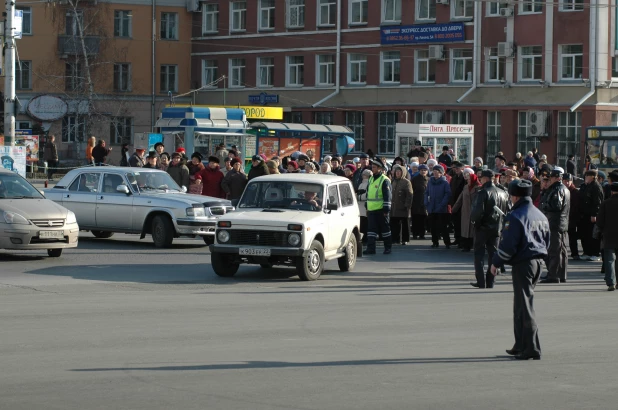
point(23, 132)
point(153, 139)
point(264, 99)
point(423, 34)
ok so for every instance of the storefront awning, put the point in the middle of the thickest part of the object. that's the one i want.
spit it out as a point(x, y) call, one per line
point(282, 126)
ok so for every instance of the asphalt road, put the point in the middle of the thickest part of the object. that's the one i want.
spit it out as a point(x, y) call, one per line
point(119, 324)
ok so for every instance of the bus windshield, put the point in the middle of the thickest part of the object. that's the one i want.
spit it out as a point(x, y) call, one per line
point(603, 152)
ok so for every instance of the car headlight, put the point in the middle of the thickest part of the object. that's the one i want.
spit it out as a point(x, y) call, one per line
point(294, 239)
point(196, 212)
point(223, 236)
point(71, 219)
point(13, 218)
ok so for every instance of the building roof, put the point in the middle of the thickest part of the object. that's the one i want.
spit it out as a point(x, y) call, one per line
point(285, 126)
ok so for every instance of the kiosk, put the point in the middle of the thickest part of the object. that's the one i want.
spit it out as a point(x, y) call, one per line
point(460, 138)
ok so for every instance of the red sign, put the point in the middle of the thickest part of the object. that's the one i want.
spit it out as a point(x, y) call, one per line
point(313, 145)
point(269, 147)
point(288, 146)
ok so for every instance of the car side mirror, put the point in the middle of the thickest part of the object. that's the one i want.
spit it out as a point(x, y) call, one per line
point(124, 189)
point(235, 202)
point(332, 207)
point(183, 189)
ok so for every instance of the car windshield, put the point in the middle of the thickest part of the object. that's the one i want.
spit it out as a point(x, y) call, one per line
point(152, 182)
point(13, 186)
point(603, 152)
point(287, 195)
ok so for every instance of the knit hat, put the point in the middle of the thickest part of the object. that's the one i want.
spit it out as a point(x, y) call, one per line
point(234, 161)
point(351, 167)
point(198, 156)
point(432, 163)
point(414, 164)
point(438, 168)
point(478, 159)
point(423, 166)
point(293, 163)
point(181, 150)
point(468, 171)
point(520, 188)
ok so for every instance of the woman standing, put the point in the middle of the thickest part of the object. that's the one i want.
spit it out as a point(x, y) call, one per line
point(92, 141)
point(419, 212)
point(464, 202)
point(400, 209)
point(437, 196)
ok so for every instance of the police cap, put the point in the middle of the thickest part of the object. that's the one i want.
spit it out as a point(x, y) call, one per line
point(557, 172)
point(363, 155)
point(520, 188)
point(377, 162)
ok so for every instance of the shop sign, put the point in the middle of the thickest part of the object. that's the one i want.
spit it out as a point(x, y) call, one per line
point(264, 99)
point(259, 113)
point(423, 34)
point(445, 129)
point(47, 108)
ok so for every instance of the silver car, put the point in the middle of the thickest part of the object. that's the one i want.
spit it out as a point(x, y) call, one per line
point(28, 221)
point(137, 201)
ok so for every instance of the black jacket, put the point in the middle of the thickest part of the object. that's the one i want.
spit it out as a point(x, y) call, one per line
point(590, 198)
point(137, 161)
point(458, 184)
point(607, 221)
point(484, 215)
point(556, 205)
point(258, 171)
point(570, 167)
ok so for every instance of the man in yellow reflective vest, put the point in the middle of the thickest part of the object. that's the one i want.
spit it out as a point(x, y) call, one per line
point(379, 196)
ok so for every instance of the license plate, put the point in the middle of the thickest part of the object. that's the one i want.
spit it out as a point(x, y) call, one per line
point(254, 251)
point(51, 234)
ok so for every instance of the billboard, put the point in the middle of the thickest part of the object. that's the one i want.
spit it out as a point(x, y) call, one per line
point(423, 34)
point(14, 159)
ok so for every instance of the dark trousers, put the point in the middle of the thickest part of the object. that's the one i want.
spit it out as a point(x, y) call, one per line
point(363, 227)
point(400, 228)
point(590, 246)
point(418, 225)
point(557, 256)
point(456, 218)
point(573, 237)
point(484, 240)
point(610, 266)
point(378, 222)
point(525, 276)
point(51, 167)
point(439, 228)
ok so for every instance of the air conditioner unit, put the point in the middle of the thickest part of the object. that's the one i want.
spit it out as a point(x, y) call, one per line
point(506, 12)
point(505, 49)
point(442, 1)
point(193, 6)
point(537, 123)
point(436, 52)
point(432, 117)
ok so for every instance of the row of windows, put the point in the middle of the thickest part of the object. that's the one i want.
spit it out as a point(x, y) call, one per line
point(530, 67)
point(358, 10)
point(120, 129)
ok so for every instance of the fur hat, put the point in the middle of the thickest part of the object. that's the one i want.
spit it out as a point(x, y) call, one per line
point(520, 188)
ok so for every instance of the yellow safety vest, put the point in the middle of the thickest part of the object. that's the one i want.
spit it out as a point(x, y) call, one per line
point(375, 198)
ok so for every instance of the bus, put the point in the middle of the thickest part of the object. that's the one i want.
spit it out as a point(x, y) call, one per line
point(602, 147)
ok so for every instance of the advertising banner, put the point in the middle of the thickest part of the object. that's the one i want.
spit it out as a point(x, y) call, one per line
point(153, 139)
point(288, 146)
point(14, 159)
point(31, 143)
point(423, 34)
point(314, 145)
point(269, 147)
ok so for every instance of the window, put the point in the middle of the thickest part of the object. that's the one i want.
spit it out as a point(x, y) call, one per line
point(461, 65)
point(169, 78)
point(358, 11)
point(426, 9)
point(26, 25)
point(462, 9)
point(614, 67)
point(122, 23)
point(530, 63)
point(327, 12)
point(238, 16)
point(122, 77)
point(86, 182)
point(391, 11)
point(294, 117)
point(73, 127)
point(495, 65)
point(614, 119)
point(73, 24)
point(525, 142)
point(493, 135)
point(571, 5)
point(461, 117)
point(169, 26)
point(325, 118)
point(386, 132)
point(267, 14)
point(571, 61)
point(209, 73)
point(390, 66)
point(266, 71)
point(333, 195)
point(296, 71)
point(237, 72)
point(347, 197)
point(532, 6)
point(296, 13)
point(425, 68)
point(210, 18)
point(357, 68)
point(326, 70)
point(493, 8)
point(73, 76)
point(23, 75)
point(569, 134)
point(23, 125)
point(355, 120)
point(121, 130)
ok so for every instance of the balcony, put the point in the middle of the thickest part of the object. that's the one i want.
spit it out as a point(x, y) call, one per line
point(71, 45)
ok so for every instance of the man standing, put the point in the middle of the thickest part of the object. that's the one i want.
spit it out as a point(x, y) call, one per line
point(555, 205)
point(590, 199)
point(379, 196)
point(490, 206)
point(417, 150)
point(570, 165)
point(159, 148)
point(437, 195)
point(357, 178)
point(567, 180)
point(607, 221)
point(51, 156)
point(258, 167)
point(137, 159)
point(458, 184)
point(445, 157)
point(525, 240)
point(500, 162)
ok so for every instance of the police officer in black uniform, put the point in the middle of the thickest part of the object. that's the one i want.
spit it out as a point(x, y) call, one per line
point(556, 205)
point(487, 214)
point(525, 240)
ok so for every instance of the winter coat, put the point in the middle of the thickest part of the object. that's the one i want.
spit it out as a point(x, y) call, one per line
point(234, 184)
point(100, 153)
point(607, 221)
point(458, 184)
point(211, 182)
point(362, 198)
point(464, 204)
point(437, 195)
point(419, 185)
point(402, 195)
point(258, 171)
point(137, 161)
point(530, 162)
point(51, 152)
point(180, 174)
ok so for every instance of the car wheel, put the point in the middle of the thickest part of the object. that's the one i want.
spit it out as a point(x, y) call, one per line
point(209, 240)
point(266, 265)
point(348, 260)
point(102, 234)
point(162, 231)
point(54, 253)
point(222, 265)
point(310, 266)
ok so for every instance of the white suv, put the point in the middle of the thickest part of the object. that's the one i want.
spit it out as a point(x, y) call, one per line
point(299, 220)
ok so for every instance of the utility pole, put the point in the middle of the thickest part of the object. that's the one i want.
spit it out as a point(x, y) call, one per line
point(9, 75)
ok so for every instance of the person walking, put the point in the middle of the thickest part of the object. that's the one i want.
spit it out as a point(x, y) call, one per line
point(437, 196)
point(607, 222)
point(419, 211)
point(490, 206)
point(525, 241)
point(400, 210)
point(379, 197)
point(51, 156)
